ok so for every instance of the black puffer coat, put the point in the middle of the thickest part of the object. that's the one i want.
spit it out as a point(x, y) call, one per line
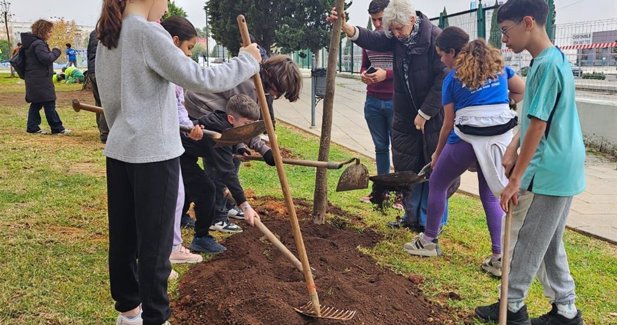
point(39, 69)
point(411, 149)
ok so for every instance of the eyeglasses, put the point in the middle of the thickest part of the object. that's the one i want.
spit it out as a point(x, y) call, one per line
point(504, 32)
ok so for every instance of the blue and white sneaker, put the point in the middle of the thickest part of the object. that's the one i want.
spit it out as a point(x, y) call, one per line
point(226, 226)
point(419, 246)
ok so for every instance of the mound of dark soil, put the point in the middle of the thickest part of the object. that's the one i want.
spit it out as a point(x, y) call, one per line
point(253, 283)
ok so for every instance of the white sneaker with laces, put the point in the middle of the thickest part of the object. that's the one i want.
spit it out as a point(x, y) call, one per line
point(492, 266)
point(419, 246)
point(183, 255)
point(123, 320)
point(225, 226)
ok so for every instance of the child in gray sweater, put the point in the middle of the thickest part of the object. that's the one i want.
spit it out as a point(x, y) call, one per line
point(137, 63)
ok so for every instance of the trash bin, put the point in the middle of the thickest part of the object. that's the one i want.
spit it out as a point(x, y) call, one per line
point(318, 78)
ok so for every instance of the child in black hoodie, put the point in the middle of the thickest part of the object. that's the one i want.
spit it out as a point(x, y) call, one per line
point(219, 167)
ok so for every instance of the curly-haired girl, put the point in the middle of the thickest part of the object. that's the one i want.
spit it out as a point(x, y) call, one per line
point(476, 130)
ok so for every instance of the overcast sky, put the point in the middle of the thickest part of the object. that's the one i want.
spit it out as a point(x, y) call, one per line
point(86, 12)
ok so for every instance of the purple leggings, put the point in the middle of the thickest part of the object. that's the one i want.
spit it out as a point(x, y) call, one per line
point(453, 161)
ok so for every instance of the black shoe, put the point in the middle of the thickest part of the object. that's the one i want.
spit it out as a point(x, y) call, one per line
point(553, 318)
point(490, 313)
point(187, 222)
point(399, 223)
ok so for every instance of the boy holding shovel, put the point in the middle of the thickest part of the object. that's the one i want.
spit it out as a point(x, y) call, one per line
point(545, 175)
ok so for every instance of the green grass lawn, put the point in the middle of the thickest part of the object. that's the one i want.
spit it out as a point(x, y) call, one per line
point(53, 224)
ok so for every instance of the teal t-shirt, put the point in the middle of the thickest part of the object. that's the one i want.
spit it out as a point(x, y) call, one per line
point(558, 166)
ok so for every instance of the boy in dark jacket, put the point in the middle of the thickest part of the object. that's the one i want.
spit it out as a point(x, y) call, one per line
point(219, 167)
point(40, 90)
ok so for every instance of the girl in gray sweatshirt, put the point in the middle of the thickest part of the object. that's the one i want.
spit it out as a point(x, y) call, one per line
point(137, 63)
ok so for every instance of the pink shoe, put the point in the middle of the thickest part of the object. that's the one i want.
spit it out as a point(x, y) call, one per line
point(183, 255)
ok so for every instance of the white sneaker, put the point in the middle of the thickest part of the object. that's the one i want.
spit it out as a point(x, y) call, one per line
point(225, 226)
point(173, 275)
point(492, 266)
point(183, 255)
point(419, 246)
point(123, 320)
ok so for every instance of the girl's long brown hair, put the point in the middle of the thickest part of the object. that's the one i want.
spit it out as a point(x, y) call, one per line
point(477, 63)
point(110, 24)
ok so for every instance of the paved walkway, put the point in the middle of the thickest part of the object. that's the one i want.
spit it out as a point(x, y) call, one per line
point(594, 212)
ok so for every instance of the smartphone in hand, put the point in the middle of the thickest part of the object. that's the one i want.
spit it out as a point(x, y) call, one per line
point(370, 70)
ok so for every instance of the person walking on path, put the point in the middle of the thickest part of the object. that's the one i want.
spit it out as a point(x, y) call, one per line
point(40, 89)
point(544, 176)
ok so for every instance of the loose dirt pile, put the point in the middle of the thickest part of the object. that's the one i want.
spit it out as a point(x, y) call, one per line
point(253, 283)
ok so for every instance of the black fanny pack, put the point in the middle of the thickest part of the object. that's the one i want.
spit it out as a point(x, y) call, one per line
point(488, 130)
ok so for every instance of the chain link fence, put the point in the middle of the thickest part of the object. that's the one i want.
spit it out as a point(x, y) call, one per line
point(590, 46)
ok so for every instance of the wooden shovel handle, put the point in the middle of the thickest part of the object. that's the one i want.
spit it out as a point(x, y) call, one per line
point(77, 106)
point(306, 163)
point(505, 267)
point(295, 225)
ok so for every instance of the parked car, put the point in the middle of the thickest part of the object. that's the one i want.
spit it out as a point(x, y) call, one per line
point(576, 70)
point(523, 71)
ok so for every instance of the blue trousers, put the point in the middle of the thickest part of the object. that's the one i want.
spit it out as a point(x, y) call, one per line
point(378, 115)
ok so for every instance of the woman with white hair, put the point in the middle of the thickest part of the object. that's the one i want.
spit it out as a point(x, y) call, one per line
point(418, 114)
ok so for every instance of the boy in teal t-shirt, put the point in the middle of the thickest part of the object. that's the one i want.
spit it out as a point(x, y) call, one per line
point(545, 175)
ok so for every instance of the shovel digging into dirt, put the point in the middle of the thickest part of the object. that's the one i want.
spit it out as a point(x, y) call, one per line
point(228, 137)
point(402, 180)
point(313, 307)
point(354, 177)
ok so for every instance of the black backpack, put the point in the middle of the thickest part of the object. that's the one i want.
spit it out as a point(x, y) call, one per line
point(18, 61)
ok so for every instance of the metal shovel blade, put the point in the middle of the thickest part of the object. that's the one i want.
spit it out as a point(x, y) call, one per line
point(398, 180)
point(354, 177)
point(241, 134)
point(326, 312)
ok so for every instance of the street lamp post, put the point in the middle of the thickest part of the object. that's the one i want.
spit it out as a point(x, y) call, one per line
point(5, 6)
point(207, 36)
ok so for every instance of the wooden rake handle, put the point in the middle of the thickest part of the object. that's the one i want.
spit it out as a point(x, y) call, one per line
point(277, 243)
point(295, 225)
point(505, 267)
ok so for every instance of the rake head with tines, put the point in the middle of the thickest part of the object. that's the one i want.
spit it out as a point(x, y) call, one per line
point(326, 312)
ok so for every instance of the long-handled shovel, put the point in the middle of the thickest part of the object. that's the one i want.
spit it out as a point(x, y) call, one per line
point(313, 308)
point(505, 268)
point(227, 137)
point(353, 177)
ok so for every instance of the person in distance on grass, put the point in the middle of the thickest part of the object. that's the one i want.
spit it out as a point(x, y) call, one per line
point(545, 175)
point(136, 64)
point(476, 130)
point(40, 89)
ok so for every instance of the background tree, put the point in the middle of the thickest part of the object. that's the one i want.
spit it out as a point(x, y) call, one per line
point(5, 16)
point(369, 25)
point(64, 32)
point(304, 26)
point(495, 35)
point(263, 18)
point(5, 50)
point(174, 10)
point(198, 50)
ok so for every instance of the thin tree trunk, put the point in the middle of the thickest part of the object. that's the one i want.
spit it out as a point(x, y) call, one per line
point(320, 198)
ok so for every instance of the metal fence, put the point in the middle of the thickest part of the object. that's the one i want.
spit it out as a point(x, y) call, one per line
point(591, 46)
